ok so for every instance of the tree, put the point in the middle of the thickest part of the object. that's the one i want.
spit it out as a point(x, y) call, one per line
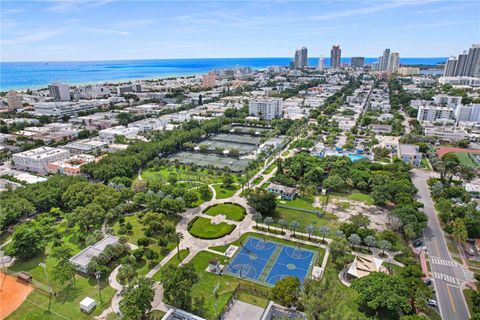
point(459, 231)
point(262, 201)
point(323, 230)
point(418, 291)
point(228, 181)
point(127, 272)
point(384, 245)
point(257, 217)
point(354, 239)
point(268, 221)
point(178, 236)
point(27, 241)
point(334, 182)
point(63, 270)
point(310, 229)
point(177, 284)
point(137, 299)
point(370, 241)
point(294, 225)
point(283, 223)
point(360, 220)
point(339, 249)
point(287, 291)
point(379, 291)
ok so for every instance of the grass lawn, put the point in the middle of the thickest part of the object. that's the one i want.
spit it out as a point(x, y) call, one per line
point(224, 192)
point(465, 159)
point(265, 185)
point(305, 219)
point(138, 231)
point(354, 196)
point(173, 261)
point(67, 300)
point(299, 202)
point(270, 168)
point(257, 180)
point(207, 282)
point(468, 297)
point(252, 299)
point(424, 164)
point(231, 211)
point(203, 228)
point(183, 174)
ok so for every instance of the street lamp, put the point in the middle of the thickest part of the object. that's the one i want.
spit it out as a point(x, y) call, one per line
point(44, 266)
point(97, 276)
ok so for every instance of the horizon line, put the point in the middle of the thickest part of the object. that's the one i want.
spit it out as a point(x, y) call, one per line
point(211, 58)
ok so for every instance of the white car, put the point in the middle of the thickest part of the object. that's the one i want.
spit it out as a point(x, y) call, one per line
point(432, 303)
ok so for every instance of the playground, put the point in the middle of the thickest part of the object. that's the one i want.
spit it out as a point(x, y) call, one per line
point(12, 294)
point(267, 262)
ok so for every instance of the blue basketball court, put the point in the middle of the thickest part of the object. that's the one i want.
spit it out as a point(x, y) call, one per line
point(266, 262)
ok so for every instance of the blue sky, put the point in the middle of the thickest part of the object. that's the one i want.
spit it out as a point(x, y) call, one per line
point(106, 29)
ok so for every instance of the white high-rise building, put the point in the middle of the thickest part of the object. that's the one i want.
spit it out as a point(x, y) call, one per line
point(460, 66)
point(472, 65)
point(433, 113)
point(321, 63)
point(463, 113)
point(59, 92)
point(267, 108)
point(393, 63)
point(384, 60)
point(450, 67)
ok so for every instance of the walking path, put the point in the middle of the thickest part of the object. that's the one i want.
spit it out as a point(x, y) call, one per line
point(196, 245)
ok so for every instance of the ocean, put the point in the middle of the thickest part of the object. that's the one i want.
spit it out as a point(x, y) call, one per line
point(34, 75)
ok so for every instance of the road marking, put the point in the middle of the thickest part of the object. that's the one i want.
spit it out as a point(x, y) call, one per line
point(469, 275)
point(436, 247)
point(451, 299)
point(446, 277)
point(443, 262)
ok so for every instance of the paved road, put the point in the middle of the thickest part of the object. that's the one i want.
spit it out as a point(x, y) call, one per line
point(447, 274)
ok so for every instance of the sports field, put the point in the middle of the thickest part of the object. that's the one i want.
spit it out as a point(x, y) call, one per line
point(267, 262)
point(12, 294)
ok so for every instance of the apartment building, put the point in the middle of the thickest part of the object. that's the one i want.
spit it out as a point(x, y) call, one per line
point(37, 160)
point(266, 108)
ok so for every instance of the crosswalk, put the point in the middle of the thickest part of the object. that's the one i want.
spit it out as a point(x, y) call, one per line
point(469, 275)
point(443, 262)
point(446, 277)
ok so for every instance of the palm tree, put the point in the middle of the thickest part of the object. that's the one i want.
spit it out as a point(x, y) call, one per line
point(354, 239)
point(283, 223)
point(310, 229)
point(294, 225)
point(384, 245)
point(323, 230)
point(127, 272)
point(257, 217)
point(268, 221)
point(370, 241)
point(339, 234)
point(178, 236)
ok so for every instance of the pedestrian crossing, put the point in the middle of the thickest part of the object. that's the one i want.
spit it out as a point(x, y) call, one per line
point(443, 262)
point(446, 277)
point(469, 275)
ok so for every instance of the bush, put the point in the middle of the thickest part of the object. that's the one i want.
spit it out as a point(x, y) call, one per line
point(138, 254)
point(143, 242)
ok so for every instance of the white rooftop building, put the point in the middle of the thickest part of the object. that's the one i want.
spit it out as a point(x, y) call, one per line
point(82, 259)
point(37, 160)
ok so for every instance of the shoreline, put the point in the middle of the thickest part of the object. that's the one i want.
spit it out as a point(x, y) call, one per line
point(77, 73)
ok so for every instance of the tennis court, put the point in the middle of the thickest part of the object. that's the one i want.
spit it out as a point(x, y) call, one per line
point(267, 262)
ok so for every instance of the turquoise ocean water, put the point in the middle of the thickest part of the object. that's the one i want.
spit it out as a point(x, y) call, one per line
point(24, 75)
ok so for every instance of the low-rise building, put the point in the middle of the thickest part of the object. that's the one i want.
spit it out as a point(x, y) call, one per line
point(286, 193)
point(71, 166)
point(446, 133)
point(37, 160)
point(81, 260)
point(410, 154)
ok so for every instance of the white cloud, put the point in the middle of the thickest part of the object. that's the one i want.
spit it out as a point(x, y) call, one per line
point(111, 31)
point(33, 37)
point(72, 5)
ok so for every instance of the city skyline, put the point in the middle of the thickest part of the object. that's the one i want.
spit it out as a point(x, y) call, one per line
point(122, 30)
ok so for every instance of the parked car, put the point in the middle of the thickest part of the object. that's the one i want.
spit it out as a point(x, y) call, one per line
point(432, 303)
point(428, 282)
point(471, 252)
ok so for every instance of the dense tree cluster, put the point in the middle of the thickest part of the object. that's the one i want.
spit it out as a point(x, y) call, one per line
point(38, 197)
